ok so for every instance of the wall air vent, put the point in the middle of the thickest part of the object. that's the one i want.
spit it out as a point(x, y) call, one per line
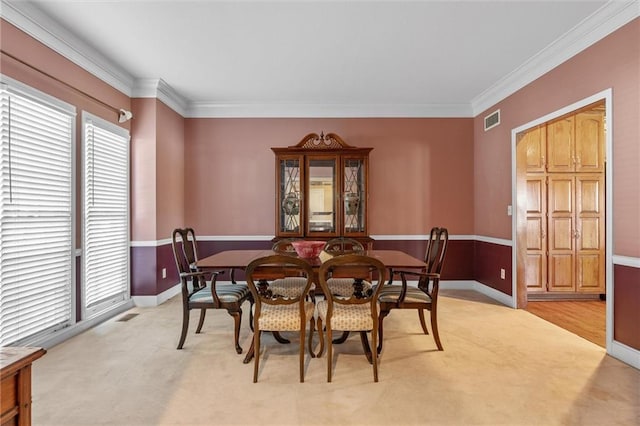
point(492, 120)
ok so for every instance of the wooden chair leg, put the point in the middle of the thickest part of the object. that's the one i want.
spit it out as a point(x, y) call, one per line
point(237, 319)
point(319, 354)
point(302, 342)
point(251, 314)
point(185, 327)
point(342, 339)
point(422, 321)
point(329, 353)
point(279, 338)
point(374, 355)
point(434, 327)
point(249, 355)
point(312, 323)
point(256, 354)
point(365, 346)
point(201, 320)
point(381, 317)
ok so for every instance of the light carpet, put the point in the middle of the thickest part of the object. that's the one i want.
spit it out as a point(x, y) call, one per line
point(499, 366)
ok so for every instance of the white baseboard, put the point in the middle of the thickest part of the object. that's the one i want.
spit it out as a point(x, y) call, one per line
point(151, 301)
point(496, 295)
point(625, 354)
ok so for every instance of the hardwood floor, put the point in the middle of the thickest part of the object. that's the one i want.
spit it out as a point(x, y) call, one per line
point(586, 318)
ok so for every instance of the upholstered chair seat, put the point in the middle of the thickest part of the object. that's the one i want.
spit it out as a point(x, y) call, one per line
point(347, 317)
point(391, 294)
point(284, 317)
point(226, 293)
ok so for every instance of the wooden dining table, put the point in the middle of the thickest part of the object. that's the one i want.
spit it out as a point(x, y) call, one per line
point(240, 259)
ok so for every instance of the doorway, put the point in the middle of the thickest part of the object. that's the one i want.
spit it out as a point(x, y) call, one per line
point(559, 270)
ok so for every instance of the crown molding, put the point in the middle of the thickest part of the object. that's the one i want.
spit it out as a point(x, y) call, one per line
point(158, 88)
point(595, 27)
point(214, 110)
point(31, 20)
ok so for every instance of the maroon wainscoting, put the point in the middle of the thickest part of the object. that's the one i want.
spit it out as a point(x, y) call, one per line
point(626, 305)
point(458, 264)
point(207, 248)
point(144, 277)
point(147, 262)
point(146, 270)
point(488, 259)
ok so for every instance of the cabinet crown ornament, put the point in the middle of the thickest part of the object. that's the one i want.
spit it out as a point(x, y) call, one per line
point(322, 141)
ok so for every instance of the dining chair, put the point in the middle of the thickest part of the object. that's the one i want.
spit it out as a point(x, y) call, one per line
point(197, 294)
point(425, 295)
point(284, 246)
point(343, 245)
point(280, 286)
point(355, 311)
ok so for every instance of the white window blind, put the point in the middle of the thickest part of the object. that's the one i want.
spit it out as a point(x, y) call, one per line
point(36, 214)
point(106, 215)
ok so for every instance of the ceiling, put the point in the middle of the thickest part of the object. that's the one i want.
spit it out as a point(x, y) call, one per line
point(324, 58)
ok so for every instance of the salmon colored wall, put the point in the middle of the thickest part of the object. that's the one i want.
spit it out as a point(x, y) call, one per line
point(143, 169)
point(612, 62)
point(421, 172)
point(170, 205)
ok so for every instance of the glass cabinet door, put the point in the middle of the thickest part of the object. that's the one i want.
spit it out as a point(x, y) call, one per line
point(289, 196)
point(322, 200)
point(354, 196)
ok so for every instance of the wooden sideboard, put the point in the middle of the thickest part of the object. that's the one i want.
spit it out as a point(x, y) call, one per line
point(15, 390)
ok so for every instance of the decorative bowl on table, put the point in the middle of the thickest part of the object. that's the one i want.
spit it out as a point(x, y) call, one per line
point(308, 249)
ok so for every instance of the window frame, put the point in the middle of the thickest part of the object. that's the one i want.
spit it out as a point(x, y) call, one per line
point(18, 89)
point(125, 295)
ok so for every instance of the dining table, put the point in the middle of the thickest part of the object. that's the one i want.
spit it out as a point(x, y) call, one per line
point(240, 259)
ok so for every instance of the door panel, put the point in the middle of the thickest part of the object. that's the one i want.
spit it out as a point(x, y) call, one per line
point(536, 272)
point(560, 195)
point(536, 195)
point(536, 149)
point(589, 142)
point(590, 238)
point(560, 145)
point(561, 233)
point(589, 272)
point(561, 267)
point(536, 263)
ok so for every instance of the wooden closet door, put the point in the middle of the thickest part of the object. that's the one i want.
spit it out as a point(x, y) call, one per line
point(590, 238)
point(589, 142)
point(536, 149)
point(561, 233)
point(560, 145)
point(536, 261)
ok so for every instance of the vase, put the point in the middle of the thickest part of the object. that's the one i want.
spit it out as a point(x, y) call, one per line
point(351, 203)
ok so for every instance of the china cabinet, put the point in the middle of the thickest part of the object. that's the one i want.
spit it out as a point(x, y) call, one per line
point(322, 189)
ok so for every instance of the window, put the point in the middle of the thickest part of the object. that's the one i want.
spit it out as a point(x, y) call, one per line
point(36, 214)
point(106, 215)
